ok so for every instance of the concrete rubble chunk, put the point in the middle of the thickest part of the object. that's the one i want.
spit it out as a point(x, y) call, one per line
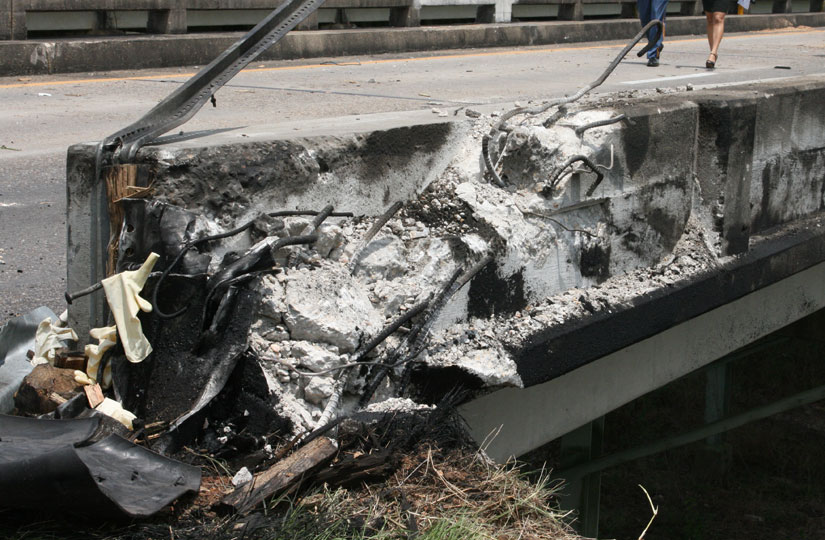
point(319, 389)
point(241, 477)
point(272, 299)
point(314, 357)
point(491, 366)
point(330, 238)
point(392, 296)
point(329, 308)
point(383, 258)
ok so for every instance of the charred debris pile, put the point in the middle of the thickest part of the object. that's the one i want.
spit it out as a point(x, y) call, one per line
point(267, 338)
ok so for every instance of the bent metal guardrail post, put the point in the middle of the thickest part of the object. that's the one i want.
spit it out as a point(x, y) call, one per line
point(183, 103)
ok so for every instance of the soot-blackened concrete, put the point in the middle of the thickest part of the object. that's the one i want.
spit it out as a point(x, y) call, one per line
point(707, 197)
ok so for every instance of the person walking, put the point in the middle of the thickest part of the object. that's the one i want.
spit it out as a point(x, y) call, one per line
point(715, 11)
point(649, 10)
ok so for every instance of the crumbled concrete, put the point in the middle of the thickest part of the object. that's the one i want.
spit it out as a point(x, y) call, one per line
point(548, 262)
point(319, 389)
point(314, 357)
point(333, 310)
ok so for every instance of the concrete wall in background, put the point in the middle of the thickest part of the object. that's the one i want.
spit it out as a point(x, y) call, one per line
point(99, 52)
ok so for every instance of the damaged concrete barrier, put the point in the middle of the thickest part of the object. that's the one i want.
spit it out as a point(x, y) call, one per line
point(632, 216)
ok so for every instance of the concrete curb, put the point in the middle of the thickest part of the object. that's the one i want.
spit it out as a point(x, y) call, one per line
point(157, 51)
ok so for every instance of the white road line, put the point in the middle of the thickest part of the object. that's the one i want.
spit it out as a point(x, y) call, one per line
point(673, 78)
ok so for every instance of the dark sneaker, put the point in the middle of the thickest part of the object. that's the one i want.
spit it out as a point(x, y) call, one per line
point(653, 62)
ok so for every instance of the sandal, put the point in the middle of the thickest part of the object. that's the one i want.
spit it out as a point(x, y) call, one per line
point(711, 64)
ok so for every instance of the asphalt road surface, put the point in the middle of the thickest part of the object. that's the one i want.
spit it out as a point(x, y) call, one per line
point(40, 117)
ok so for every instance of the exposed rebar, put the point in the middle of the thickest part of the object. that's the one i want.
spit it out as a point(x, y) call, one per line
point(559, 102)
point(599, 123)
point(547, 191)
point(340, 383)
point(417, 338)
point(256, 258)
point(289, 213)
point(312, 228)
point(186, 247)
point(385, 217)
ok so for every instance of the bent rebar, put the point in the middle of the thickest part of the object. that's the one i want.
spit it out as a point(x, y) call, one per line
point(320, 216)
point(559, 102)
point(186, 247)
point(547, 191)
point(256, 258)
point(486, 145)
point(599, 123)
point(385, 217)
point(417, 338)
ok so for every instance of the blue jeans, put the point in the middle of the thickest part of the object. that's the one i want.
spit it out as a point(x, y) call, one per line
point(649, 10)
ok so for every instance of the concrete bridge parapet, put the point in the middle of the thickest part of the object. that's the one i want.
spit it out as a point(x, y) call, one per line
point(708, 200)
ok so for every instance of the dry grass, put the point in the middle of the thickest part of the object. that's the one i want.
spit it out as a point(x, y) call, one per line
point(432, 496)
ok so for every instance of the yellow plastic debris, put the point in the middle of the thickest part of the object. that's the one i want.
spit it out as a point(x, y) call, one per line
point(48, 338)
point(106, 338)
point(112, 408)
point(122, 295)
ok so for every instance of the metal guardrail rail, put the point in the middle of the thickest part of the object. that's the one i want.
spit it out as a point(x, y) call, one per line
point(184, 102)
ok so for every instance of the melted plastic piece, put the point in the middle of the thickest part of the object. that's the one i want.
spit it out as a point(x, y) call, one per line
point(17, 337)
point(41, 467)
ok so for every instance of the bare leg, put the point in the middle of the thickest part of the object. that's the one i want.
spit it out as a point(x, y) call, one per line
point(709, 15)
point(718, 24)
